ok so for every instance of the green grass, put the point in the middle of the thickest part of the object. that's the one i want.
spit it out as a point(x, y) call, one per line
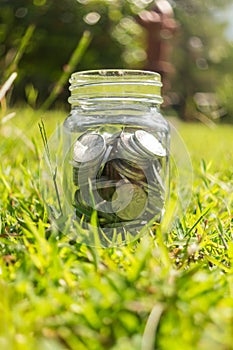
point(172, 291)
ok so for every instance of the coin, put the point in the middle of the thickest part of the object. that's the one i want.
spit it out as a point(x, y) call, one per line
point(132, 224)
point(157, 176)
point(128, 170)
point(125, 144)
point(128, 150)
point(149, 143)
point(111, 138)
point(125, 170)
point(135, 207)
point(84, 174)
point(75, 176)
point(88, 147)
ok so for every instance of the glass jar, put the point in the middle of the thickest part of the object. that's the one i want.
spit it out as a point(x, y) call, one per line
point(116, 154)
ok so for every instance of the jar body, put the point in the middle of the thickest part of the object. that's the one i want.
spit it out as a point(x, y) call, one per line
point(116, 163)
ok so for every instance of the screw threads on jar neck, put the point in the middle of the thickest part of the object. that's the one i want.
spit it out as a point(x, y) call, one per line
point(94, 86)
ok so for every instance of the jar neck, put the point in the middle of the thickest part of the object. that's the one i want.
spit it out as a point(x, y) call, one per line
point(114, 87)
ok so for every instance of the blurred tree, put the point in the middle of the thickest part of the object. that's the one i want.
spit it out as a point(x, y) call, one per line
point(201, 49)
point(225, 85)
point(59, 25)
point(118, 41)
point(57, 33)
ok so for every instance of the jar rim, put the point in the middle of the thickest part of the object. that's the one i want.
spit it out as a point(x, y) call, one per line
point(115, 84)
point(116, 73)
point(105, 73)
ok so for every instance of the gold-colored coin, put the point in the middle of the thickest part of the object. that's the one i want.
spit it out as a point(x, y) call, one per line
point(125, 209)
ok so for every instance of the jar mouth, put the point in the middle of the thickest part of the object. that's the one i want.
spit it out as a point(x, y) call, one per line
point(118, 74)
point(115, 84)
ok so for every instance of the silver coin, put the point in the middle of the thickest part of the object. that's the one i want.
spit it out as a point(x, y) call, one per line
point(131, 152)
point(84, 174)
point(149, 143)
point(157, 176)
point(128, 170)
point(125, 144)
point(88, 147)
point(154, 189)
point(75, 176)
point(104, 161)
point(111, 138)
point(140, 152)
point(121, 171)
point(127, 225)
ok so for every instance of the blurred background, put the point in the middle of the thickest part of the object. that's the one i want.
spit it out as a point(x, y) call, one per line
point(189, 42)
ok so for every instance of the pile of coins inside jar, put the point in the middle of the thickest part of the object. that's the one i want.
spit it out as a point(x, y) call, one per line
point(120, 176)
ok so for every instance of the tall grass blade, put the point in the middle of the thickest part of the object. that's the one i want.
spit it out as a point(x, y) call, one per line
point(23, 45)
point(52, 171)
point(74, 60)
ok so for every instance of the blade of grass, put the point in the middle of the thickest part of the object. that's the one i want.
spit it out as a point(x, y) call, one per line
point(23, 45)
point(52, 171)
point(74, 60)
point(7, 85)
point(148, 339)
point(200, 218)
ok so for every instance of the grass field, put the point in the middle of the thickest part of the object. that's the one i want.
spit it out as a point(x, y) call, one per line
point(170, 291)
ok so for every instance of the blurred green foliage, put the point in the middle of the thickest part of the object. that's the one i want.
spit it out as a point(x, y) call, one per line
point(52, 30)
point(201, 51)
